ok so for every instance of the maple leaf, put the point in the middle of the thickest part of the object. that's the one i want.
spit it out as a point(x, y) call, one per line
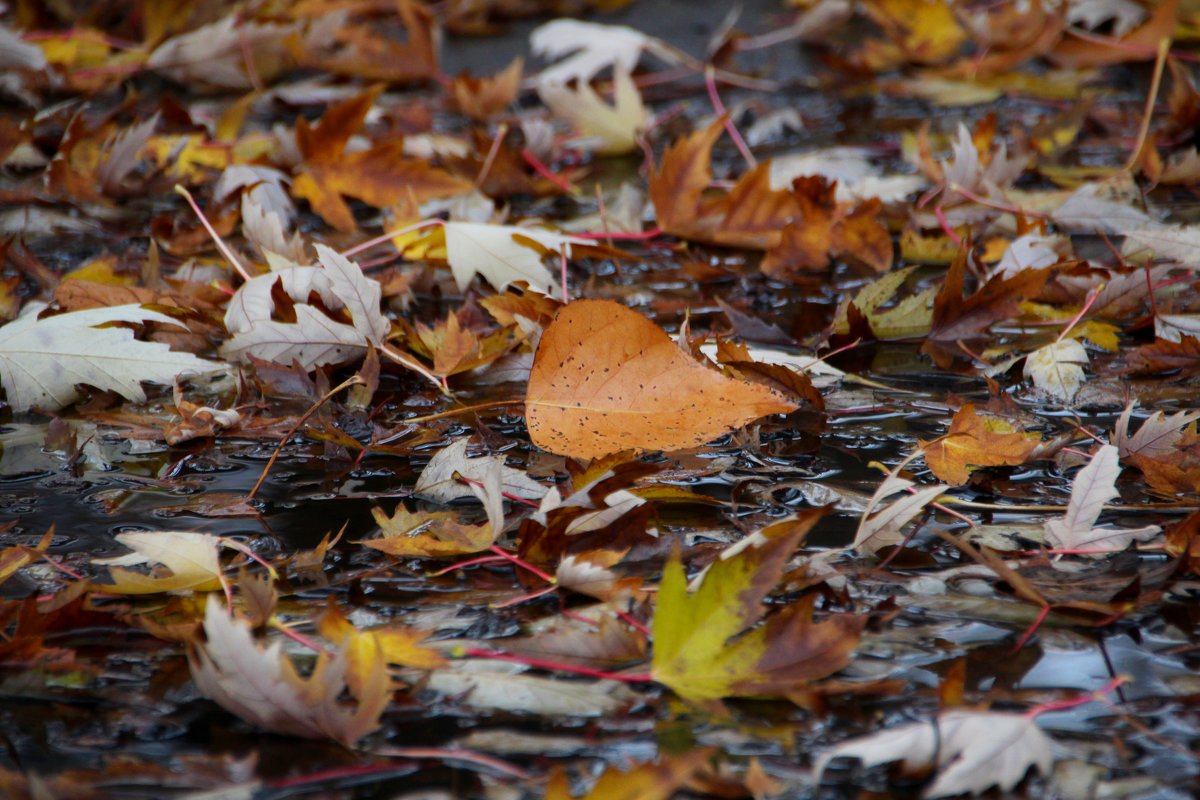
point(880, 526)
point(215, 56)
point(428, 535)
point(1137, 45)
point(191, 559)
point(1157, 437)
point(315, 338)
point(920, 31)
point(653, 781)
point(363, 649)
point(607, 130)
point(1165, 356)
point(1057, 368)
point(43, 360)
point(956, 318)
point(706, 645)
point(591, 47)
point(606, 379)
point(1093, 486)
point(749, 215)
point(482, 98)
point(976, 440)
point(261, 685)
point(440, 482)
point(363, 46)
point(972, 750)
point(825, 230)
point(504, 254)
point(379, 176)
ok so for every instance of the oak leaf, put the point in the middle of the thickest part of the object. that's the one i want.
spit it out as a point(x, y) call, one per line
point(606, 379)
point(976, 440)
point(43, 360)
point(262, 686)
point(706, 643)
point(972, 750)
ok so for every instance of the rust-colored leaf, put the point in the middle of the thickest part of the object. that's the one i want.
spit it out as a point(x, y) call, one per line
point(606, 379)
point(976, 440)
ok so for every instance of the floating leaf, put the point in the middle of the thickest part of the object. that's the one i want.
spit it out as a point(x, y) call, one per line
point(606, 379)
point(976, 440)
point(1092, 488)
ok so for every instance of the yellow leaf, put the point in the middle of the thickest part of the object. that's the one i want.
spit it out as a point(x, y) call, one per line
point(976, 440)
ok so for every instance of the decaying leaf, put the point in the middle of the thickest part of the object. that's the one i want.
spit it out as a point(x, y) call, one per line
point(1094, 486)
point(607, 129)
point(976, 440)
point(705, 644)
point(1157, 437)
point(315, 338)
point(262, 686)
point(881, 525)
point(448, 475)
point(590, 47)
point(43, 360)
point(1057, 368)
point(972, 750)
point(606, 379)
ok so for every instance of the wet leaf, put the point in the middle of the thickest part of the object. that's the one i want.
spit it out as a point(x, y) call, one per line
point(696, 653)
point(190, 563)
point(971, 750)
point(43, 360)
point(262, 686)
point(606, 379)
point(976, 440)
point(1093, 487)
point(1057, 368)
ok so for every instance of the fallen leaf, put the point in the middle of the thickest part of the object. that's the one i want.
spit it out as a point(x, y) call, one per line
point(489, 685)
point(652, 781)
point(606, 379)
point(607, 130)
point(1158, 436)
point(503, 254)
point(706, 643)
point(590, 47)
point(314, 338)
point(437, 535)
point(972, 750)
point(1093, 487)
point(976, 440)
point(881, 525)
point(43, 360)
point(1137, 45)
point(440, 480)
point(1057, 368)
point(261, 685)
point(190, 563)
point(482, 98)
point(379, 176)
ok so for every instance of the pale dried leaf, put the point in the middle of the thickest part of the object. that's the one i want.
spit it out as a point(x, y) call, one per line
point(121, 154)
point(1031, 251)
point(1093, 487)
point(495, 253)
point(591, 47)
point(215, 54)
point(486, 685)
point(972, 750)
point(965, 169)
point(1180, 244)
point(1102, 207)
point(1125, 15)
point(261, 685)
point(192, 559)
point(1057, 368)
point(1157, 437)
point(605, 129)
point(438, 482)
point(885, 526)
point(16, 53)
point(1173, 327)
point(41, 361)
point(857, 178)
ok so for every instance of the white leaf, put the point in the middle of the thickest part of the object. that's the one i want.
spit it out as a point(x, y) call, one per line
point(1031, 251)
point(594, 47)
point(1057, 368)
point(1093, 487)
point(314, 338)
point(1173, 327)
point(972, 750)
point(821, 374)
point(120, 154)
point(1157, 437)
point(486, 686)
point(884, 526)
point(965, 169)
point(16, 53)
point(41, 361)
point(1091, 14)
point(492, 252)
point(438, 483)
point(261, 685)
point(613, 128)
point(857, 177)
point(1104, 207)
point(1175, 243)
point(215, 54)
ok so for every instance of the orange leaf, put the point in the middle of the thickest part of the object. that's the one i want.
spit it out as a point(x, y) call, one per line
point(607, 379)
point(826, 230)
point(482, 98)
point(751, 214)
point(380, 176)
point(976, 440)
point(1140, 45)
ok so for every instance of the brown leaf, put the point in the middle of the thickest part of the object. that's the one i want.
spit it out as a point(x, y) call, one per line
point(363, 49)
point(1165, 356)
point(606, 379)
point(956, 318)
point(379, 176)
point(1140, 45)
point(976, 440)
point(261, 685)
point(482, 98)
point(827, 229)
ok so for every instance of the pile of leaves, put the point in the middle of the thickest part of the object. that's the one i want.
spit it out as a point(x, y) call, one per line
point(628, 394)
